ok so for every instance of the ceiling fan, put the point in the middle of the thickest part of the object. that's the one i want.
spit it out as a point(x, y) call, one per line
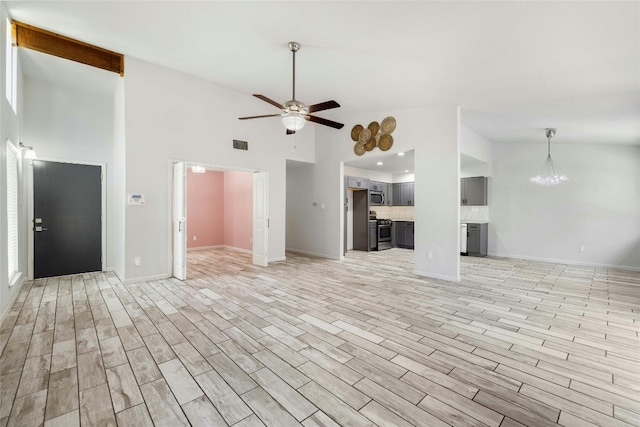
point(294, 113)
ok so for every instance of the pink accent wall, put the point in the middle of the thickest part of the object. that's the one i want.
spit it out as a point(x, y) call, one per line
point(205, 208)
point(220, 209)
point(238, 209)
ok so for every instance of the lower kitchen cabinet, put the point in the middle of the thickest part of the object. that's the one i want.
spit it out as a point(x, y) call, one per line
point(477, 239)
point(373, 236)
point(404, 234)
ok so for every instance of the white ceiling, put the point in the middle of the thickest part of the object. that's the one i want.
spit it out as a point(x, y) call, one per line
point(515, 67)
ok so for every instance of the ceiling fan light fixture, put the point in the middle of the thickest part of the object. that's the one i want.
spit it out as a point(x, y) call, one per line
point(293, 121)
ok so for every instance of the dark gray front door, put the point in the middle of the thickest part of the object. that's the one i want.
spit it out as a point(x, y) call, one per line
point(67, 212)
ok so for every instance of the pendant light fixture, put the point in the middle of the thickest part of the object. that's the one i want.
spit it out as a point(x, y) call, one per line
point(549, 174)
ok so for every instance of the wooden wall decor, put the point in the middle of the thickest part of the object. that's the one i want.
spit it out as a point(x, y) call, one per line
point(374, 135)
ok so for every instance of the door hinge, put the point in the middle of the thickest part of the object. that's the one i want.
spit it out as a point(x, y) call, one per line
point(268, 223)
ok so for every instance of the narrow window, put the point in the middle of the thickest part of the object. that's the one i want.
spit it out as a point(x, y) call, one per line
point(12, 212)
point(11, 72)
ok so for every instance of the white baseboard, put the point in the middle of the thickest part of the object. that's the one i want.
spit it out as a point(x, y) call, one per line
point(437, 276)
point(313, 254)
point(565, 261)
point(278, 258)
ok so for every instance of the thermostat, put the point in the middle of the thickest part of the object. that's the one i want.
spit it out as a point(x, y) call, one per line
point(136, 199)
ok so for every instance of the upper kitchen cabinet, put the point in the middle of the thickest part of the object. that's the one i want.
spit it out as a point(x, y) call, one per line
point(376, 186)
point(403, 194)
point(354, 182)
point(473, 191)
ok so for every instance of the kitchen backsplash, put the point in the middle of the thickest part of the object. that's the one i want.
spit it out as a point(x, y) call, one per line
point(398, 213)
point(474, 213)
point(394, 212)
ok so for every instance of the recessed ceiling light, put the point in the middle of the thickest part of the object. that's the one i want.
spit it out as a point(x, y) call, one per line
point(400, 154)
point(406, 170)
point(379, 163)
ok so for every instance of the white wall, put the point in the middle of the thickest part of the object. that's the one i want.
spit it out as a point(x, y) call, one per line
point(437, 187)
point(174, 116)
point(73, 125)
point(117, 182)
point(9, 129)
point(598, 207)
point(475, 154)
point(475, 145)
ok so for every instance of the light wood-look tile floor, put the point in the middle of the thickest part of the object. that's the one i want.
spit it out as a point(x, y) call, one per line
point(323, 343)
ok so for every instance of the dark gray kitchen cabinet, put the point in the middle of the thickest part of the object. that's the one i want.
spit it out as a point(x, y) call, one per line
point(355, 182)
point(394, 237)
point(404, 234)
point(376, 186)
point(403, 194)
point(388, 194)
point(473, 191)
point(408, 235)
point(477, 239)
point(373, 236)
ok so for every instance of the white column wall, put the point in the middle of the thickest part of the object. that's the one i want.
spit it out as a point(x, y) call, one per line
point(174, 116)
point(433, 133)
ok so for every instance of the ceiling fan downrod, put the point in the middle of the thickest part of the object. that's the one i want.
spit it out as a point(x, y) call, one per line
point(294, 47)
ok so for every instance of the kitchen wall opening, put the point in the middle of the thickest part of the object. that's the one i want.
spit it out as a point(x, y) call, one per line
point(379, 204)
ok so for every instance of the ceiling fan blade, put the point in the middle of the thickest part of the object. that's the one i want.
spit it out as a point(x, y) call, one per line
point(325, 122)
point(259, 117)
point(322, 106)
point(290, 132)
point(270, 101)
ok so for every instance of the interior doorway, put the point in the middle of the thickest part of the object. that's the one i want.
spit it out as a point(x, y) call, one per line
point(218, 208)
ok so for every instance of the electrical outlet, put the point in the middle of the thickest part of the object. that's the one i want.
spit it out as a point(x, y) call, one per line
point(429, 254)
point(136, 261)
point(583, 248)
point(194, 238)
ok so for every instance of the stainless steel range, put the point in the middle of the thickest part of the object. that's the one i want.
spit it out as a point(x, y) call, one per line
point(384, 234)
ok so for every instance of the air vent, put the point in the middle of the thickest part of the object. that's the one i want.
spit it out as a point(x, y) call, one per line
point(240, 145)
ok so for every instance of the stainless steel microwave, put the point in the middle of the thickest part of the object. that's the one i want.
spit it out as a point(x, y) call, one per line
point(376, 198)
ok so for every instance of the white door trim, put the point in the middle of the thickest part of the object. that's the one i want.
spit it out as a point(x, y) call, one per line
point(189, 164)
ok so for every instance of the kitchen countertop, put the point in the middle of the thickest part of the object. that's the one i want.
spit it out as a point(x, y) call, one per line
point(474, 222)
point(402, 219)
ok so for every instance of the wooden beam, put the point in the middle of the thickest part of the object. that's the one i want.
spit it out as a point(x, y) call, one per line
point(64, 47)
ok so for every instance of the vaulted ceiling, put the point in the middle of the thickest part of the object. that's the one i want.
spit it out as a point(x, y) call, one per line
point(515, 67)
